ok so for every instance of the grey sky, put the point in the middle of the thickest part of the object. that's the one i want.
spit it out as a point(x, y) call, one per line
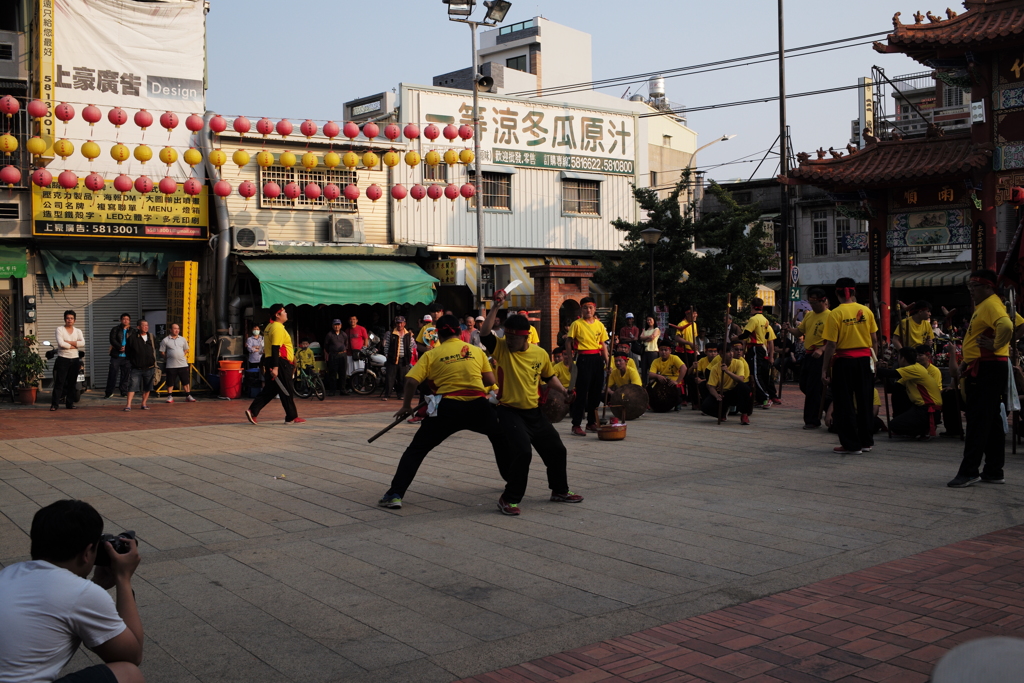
point(304, 59)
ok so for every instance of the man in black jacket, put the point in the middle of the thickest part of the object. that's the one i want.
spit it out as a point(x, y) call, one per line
point(141, 351)
point(120, 367)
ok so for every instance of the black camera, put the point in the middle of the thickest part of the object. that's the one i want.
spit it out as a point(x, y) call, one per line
point(120, 543)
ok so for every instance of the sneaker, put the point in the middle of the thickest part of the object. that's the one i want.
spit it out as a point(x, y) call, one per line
point(992, 480)
point(511, 509)
point(842, 451)
point(390, 501)
point(567, 497)
point(745, 420)
point(766, 405)
point(107, 395)
point(963, 482)
point(296, 421)
point(414, 420)
point(170, 400)
point(811, 426)
point(776, 401)
point(591, 427)
point(250, 417)
point(578, 431)
point(867, 449)
point(189, 399)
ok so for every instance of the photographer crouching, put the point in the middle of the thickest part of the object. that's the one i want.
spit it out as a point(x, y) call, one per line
point(50, 606)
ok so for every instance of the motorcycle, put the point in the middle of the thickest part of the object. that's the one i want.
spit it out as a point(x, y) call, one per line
point(370, 364)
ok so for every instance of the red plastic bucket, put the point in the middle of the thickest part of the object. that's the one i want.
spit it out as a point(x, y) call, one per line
point(231, 383)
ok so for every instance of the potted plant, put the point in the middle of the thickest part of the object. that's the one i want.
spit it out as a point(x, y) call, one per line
point(28, 367)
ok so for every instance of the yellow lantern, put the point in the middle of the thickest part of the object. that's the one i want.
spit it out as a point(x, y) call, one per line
point(332, 159)
point(412, 158)
point(432, 158)
point(9, 143)
point(36, 146)
point(90, 150)
point(392, 159)
point(119, 153)
point(62, 148)
point(351, 159)
point(265, 159)
point(287, 159)
point(218, 158)
point(168, 155)
point(240, 157)
point(370, 160)
point(466, 156)
point(143, 153)
point(451, 157)
point(309, 160)
point(193, 157)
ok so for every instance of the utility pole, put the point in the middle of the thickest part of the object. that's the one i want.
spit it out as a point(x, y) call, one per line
point(783, 170)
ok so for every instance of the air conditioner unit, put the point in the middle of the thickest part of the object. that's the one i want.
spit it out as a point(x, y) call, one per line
point(345, 229)
point(249, 239)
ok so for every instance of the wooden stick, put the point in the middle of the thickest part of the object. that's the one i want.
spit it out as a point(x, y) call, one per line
point(608, 365)
point(394, 424)
point(885, 391)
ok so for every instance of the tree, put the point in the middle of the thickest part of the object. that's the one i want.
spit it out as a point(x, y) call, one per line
point(733, 254)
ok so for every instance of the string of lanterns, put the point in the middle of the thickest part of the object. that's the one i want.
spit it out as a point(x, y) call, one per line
point(64, 148)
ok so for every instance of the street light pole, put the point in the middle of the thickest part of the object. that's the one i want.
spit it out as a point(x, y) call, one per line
point(478, 171)
point(651, 236)
point(650, 257)
point(693, 158)
point(783, 170)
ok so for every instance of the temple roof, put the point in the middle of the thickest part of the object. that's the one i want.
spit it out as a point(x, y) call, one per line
point(893, 162)
point(984, 22)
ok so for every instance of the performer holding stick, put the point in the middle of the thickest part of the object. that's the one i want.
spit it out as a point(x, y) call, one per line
point(812, 327)
point(588, 335)
point(760, 351)
point(686, 349)
point(728, 385)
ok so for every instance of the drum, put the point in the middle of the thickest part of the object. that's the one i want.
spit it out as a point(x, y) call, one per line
point(553, 405)
point(663, 396)
point(628, 402)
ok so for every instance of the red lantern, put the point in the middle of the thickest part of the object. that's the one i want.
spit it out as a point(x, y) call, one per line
point(264, 126)
point(451, 192)
point(194, 123)
point(143, 119)
point(271, 190)
point(399, 192)
point(308, 128)
point(350, 130)
point(117, 117)
point(63, 111)
point(9, 105)
point(435, 192)
point(431, 132)
point(418, 192)
point(312, 191)
point(222, 188)
point(143, 184)
point(68, 180)
point(292, 191)
point(392, 131)
point(331, 130)
point(92, 114)
point(247, 189)
point(37, 109)
point(412, 131)
point(218, 124)
point(467, 190)
point(373, 192)
point(10, 175)
point(95, 182)
point(450, 132)
point(42, 177)
point(466, 132)
point(351, 192)
point(192, 186)
point(241, 125)
point(168, 185)
point(371, 130)
point(169, 120)
point(284, 128)
point(331, 191)
point(123, 183)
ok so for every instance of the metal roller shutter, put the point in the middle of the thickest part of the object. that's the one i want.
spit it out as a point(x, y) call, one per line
point(153, 291)
point(112, 295)
point(50, 307)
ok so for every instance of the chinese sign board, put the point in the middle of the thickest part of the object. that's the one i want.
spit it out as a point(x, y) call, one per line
point(13, 262)
point(182, 290)
point(929, 229)
point(451, 271)
point(928, 196)
point(535, 133)
point(57, 212)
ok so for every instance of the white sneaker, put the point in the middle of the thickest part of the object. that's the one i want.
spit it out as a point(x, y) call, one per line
point(170, 400)
point(189, 399)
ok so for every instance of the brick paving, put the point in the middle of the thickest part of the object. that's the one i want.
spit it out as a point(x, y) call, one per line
point(892, 622)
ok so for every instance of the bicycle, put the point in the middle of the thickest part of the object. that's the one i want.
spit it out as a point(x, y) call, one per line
point(309, 384)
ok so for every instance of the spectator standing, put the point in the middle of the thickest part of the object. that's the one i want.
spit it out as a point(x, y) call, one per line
point(649, 339)
point(358, 337)
point(279, 366)
point(398, 349)
point(51, 606)
point(468, 327)
point(174, 349)
point(142, 354)
point(630, 334)
point(254, 347)
point(65, 369)
point(426, 338)
point(335, 353)
point(120, 371)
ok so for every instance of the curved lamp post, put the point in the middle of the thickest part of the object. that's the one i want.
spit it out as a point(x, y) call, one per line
point(651, 236)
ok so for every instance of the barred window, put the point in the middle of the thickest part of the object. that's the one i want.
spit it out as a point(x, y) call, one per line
point(819, 221)
point(581, 197)
point(437, 173)
point(497, 191)
point(842, 230)
point(302, 176)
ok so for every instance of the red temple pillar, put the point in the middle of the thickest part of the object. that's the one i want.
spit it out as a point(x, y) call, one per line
point(880, 270)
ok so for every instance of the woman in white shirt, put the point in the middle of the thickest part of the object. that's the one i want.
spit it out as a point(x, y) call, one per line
point(65, 370)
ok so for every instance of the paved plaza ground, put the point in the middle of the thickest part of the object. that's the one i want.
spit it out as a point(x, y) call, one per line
point(266, 559)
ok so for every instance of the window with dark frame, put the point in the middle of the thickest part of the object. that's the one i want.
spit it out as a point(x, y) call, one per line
point(842, 230)
point(582, 197)
point(819, 223)
point(497, 191)
point(517, 63)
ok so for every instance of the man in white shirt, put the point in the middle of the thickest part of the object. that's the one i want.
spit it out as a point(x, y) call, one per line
point(50, 607)
point(174, 349)
point(65, 369)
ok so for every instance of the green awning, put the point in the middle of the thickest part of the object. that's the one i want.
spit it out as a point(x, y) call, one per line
point(341, 281)
point(13, 262)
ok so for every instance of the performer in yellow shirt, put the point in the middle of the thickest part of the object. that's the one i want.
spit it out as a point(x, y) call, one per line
point(563, 368)
point(916, 328)
point(667, 368)
point(760, 352)
point(279, 366)
point(923, 383)
point(686, 334)
point(812, 327)
point(588, 336)
point(702, 371)
point(623, 374)
point(728, 383)
point(534, 337)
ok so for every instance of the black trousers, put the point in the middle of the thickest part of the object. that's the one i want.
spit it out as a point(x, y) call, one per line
point(739, 396)
point(901, 402)
point(913, 422)
point(810, 384)
point(985, 438)
point(452, 416)
point(118, 375)
point(337, 372)
point(394, 373)
point(589, 387)
point(852, 378)
point(951, 406)
point(761, 371)
point(645, 364)
point(520, 432)
point(271, 389)
point(65, 376)
point(689, 385)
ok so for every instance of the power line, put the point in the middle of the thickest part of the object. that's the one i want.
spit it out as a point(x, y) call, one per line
point(759, 100)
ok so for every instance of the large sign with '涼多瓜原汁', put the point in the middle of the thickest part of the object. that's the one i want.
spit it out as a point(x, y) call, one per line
point(534, 133)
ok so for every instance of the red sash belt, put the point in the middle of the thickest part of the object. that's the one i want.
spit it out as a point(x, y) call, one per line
point(853, 353)
point(466, 392)
point(589, 352)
